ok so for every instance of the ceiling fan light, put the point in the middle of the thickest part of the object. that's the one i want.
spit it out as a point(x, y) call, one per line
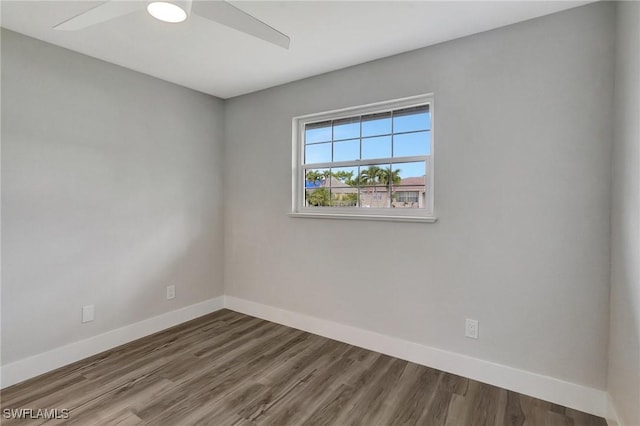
point(167, 11)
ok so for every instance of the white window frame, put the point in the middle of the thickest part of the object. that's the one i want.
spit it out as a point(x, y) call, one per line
point(298, 209)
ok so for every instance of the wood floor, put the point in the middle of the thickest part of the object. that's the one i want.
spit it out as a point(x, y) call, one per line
point(227, 368)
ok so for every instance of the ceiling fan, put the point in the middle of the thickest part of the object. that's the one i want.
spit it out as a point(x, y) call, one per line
point(175, 11)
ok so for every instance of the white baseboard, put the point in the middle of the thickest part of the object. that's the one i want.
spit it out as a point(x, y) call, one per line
point(612, 415)
point(571, 395)
point(27, 368)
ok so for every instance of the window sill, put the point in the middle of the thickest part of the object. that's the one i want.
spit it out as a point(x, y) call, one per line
point(387, 218)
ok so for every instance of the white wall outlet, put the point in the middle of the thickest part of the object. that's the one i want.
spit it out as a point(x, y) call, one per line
point(88, 313)
point(171, 292)
point(471, 328)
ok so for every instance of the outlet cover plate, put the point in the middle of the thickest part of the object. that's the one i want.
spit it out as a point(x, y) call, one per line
point(471, 328)
point(171, 292)
point(88, 313)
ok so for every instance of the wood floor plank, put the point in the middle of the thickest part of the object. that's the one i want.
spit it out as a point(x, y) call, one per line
point(332, 407)
point(417, 385)
point(227, 368)
point(585, 419)
point(120, 402)
point(365, 410)
point(335, 407)
point(312, 390)
point(418, 398)
point(484, 409)
point(286, 378)
point(212, 385)
point(513, 414)
point(454, 384)
point(438, 409)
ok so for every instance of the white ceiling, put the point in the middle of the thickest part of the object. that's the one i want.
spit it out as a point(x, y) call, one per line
point(325, 36)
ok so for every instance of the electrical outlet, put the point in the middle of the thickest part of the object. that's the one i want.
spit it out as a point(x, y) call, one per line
point(471, 328)
point(171, 292)
point(88, 313)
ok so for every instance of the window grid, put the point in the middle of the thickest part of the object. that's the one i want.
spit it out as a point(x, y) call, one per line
point(388, 161)
point(384, 187)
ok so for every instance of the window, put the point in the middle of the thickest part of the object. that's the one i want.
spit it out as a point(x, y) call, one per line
point(371, 162)
point(407, 196)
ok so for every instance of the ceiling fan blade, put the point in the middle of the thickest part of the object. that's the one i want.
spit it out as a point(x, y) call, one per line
point(101, 13)
point(226, 14)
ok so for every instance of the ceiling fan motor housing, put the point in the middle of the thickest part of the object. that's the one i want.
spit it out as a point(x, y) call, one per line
point(184, 5)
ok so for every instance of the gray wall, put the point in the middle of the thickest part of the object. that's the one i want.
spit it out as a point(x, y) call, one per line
point(522, 179)
point(624, 332)
point(111, 190)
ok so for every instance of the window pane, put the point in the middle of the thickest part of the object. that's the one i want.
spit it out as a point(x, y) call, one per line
point(319, 197)
point(346, 196)
point(317, 153)
point(346, 129)
point(409, 192)
point(343, 177)
point(374, 197)
point(411, 119)
point(410, 170)
point(408, 144)
point(376, 124)
point(346, 150)
point(374, 188)
point(317, 132)
point(316, 178)
point(373, 174)
point(316, 187)
point(379, 147)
